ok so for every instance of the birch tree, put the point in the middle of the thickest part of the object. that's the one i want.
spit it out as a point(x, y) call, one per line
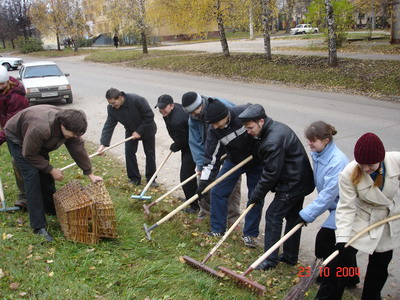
point(265, 28)
point(330, 19)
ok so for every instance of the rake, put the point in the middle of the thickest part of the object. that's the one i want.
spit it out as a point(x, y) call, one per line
point(97, 153)
point(194, 198)
point(201, 265)
point(146, 207)
point(298, 291)
point(242, 280)
point(3, 201)
point(142, 196)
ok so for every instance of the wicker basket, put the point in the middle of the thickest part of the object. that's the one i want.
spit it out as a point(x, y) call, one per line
point(86, 214)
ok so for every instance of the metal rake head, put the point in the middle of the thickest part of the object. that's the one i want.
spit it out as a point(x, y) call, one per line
point(198, 265)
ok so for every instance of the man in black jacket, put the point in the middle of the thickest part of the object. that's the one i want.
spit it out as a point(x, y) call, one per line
point(227, 134)
point(176, 120)
point(287, 172)
point(134, 112)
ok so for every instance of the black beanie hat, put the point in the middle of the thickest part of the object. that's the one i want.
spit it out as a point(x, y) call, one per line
point(215, 111)
point(191, 101)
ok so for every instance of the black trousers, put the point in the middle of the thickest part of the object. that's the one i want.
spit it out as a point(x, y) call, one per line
point(39, 187)
point(332, 287)
point(188, 167)
point(149, 146)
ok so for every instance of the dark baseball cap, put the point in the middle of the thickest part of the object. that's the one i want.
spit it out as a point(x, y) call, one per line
point(163, 101)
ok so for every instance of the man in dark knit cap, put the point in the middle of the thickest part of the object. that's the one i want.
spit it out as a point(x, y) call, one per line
point(176, 120)
point(287, 172)
point(195, 105)
point(227, 134)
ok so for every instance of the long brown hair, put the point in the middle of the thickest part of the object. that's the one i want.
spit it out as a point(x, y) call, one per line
point(358, 173)
point(10, 85)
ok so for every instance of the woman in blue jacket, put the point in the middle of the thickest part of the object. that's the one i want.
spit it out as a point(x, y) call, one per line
point(328, 162)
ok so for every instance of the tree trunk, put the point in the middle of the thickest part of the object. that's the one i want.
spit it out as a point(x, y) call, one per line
point(251, 28)
point(395, 30)
point(142, 26)
point(265, 25)
point(12, 43)
point(58, 41)
point(4, 42)
point(76, 44)
point(221, 29)
point(332, 61)
point(289, 15)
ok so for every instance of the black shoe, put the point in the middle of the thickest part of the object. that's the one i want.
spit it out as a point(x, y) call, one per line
point(215, 233)
point(134, 182)
point(191, 210)
point(43, 232)
point(22, 204)
point(249, 241)
point(154, 184)
point(284, 260)
point(265, 266)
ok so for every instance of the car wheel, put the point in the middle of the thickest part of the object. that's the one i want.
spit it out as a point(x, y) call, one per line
point(7, 66)
point(70, 99)
point(315, 31)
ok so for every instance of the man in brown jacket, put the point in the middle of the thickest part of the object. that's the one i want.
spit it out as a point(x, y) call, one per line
point(33, 133)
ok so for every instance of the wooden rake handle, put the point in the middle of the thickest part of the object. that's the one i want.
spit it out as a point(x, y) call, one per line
point(155, 173)
point(97, 153)
point(359, 234)
point(209, 187)
point(276, 246)
point(2, 198)
point(174, 189)
point(230, 230)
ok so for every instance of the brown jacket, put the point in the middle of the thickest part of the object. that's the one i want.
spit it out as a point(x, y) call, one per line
point(38, 131)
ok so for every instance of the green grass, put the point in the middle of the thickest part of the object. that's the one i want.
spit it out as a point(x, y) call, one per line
point(374, 78)
point(64, 52)
point(130, 267)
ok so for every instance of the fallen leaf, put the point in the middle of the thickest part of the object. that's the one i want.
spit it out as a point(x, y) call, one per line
point(29, 256)
point(92, 268)
point(51, 274)
point(14, 285)
point(49, 261)
point(2, 273)
point(195, 233)
point(182, 260)
point(90, 250)
point(7, 236)
point(22, 294)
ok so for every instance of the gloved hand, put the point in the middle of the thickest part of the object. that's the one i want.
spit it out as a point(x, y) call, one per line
point(254, 200)
point(174, 147)
point(340, 247)
point(300, 220)
point(201, 187)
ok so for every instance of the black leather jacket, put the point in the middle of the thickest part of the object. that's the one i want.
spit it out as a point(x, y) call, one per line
point(286, 167)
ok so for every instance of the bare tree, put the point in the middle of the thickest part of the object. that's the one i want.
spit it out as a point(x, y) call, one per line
point(221, 28)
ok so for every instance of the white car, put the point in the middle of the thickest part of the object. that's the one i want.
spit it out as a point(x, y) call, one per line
point(303, 29)
point(44, 82)
point(10, 63)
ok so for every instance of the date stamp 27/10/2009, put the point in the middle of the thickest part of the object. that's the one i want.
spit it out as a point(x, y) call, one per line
point(326, 271)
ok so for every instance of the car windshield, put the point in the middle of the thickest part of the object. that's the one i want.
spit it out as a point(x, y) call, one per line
point(42, 71)
point(299, 26)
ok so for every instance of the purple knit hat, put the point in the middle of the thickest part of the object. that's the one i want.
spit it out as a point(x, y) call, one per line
point(369, 149)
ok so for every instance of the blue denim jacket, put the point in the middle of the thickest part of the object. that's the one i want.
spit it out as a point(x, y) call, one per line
point(327, 166)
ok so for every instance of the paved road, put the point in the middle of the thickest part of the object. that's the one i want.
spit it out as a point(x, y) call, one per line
point(352, 116)
point(257, 46)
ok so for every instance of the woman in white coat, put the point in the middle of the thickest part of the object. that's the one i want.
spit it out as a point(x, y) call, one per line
point(369, 192)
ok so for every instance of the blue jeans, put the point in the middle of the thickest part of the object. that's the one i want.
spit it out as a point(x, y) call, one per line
point(39, 187)
point(283, 206)
point(221, 192)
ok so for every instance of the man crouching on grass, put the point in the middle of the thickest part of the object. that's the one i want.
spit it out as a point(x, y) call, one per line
point(33, 133)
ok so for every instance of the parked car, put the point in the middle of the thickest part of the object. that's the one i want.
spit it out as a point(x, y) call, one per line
point(44, 82)
point(10, 63)
point(303, 29)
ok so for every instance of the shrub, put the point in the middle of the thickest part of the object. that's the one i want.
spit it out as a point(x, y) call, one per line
point(29, 45)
